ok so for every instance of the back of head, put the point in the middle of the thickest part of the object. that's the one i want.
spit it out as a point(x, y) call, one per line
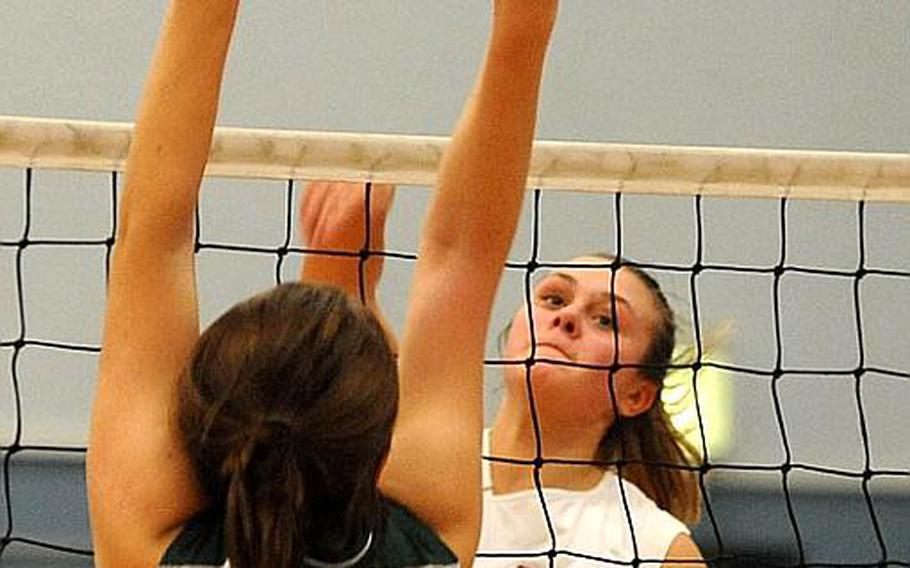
point(286, 409)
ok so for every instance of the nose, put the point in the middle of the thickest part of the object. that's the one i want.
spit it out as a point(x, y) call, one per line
point(567, 321)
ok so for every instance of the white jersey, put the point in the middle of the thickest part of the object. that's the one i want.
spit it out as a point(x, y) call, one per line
point(588, 525)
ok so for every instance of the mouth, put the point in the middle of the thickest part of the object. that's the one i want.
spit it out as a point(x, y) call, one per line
point(553, 347)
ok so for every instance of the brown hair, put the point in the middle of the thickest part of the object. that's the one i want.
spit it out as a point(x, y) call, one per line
point(286, 409)
point(655, 456)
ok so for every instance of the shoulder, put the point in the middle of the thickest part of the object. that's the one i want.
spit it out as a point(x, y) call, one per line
point(655, 529)
point(200, 543)
point(405, 540)
point(684, 553)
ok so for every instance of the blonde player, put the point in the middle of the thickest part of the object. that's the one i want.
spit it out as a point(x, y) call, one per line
point(581, 316)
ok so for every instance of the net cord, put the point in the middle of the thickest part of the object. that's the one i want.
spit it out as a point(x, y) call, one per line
point(414, 160)
point(614, 368)
point(705, 465)
point(858, 376)
point(776, 377)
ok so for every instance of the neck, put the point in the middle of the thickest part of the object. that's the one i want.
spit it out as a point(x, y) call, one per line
point(513, 437)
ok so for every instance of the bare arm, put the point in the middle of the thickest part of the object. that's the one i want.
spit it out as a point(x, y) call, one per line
point(434, 465)
point(333, 217)
point(684, 553)
point(140, 484)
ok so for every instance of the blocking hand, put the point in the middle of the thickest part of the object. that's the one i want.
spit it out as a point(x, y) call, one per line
point(333, 217)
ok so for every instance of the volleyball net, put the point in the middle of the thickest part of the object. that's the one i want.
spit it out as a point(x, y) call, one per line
point(807, 253)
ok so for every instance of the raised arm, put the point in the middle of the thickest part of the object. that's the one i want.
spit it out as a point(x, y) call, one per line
point(139, 481)
point(434, 465)
point(333, 217)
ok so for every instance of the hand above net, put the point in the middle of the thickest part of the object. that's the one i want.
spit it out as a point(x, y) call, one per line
point(333, 217)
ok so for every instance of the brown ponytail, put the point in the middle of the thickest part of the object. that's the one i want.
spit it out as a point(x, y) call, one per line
point(260, 527)
point(286, 411)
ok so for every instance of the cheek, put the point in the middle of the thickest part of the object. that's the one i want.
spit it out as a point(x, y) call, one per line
point(597, 348)
point(601, 351)
point(632, 352)
point(518, 338)
point(518, 341)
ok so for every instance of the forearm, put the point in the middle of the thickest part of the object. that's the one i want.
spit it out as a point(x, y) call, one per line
point(340, 271)
point(483, 175)
point(173, 131)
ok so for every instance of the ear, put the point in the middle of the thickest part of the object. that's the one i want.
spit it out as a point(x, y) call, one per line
point(635, 394)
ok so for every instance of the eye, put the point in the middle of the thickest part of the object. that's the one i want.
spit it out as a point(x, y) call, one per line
point(552, 300)
point(603, 321)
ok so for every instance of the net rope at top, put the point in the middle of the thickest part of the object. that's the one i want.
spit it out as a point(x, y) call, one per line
point(413, 160)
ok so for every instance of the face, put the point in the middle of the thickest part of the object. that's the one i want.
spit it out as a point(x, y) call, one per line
point(579, 319)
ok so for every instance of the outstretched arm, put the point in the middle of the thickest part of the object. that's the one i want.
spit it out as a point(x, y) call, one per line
point(334, 217)
point(434, 464)
point(140, 484)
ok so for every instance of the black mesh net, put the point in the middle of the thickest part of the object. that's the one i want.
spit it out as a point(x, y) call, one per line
point(796, 534)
